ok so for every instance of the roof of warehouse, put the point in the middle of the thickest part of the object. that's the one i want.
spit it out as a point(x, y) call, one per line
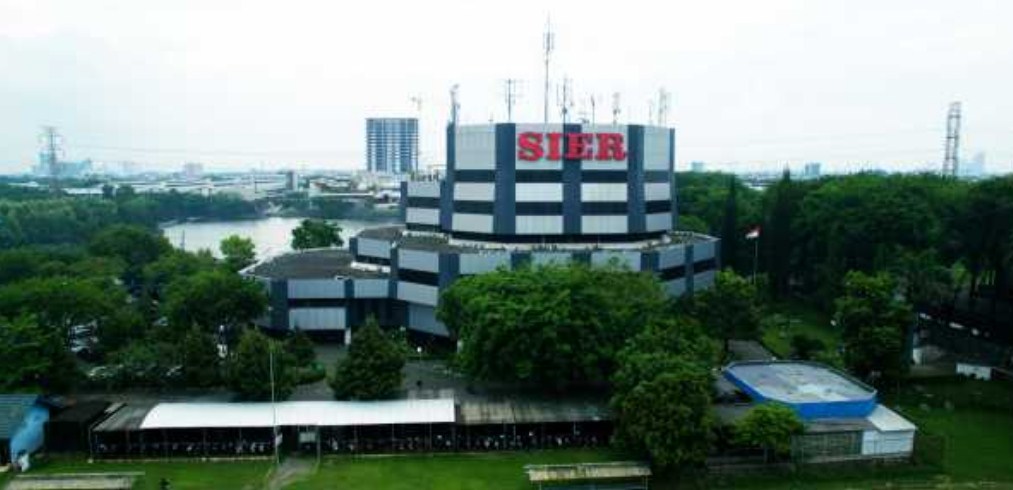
point(310, 413)
point(799, 381)
point(312, 264)
point(532, 412)
point(126, 417)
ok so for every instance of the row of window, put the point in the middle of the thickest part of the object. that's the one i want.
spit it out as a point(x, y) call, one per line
point(556, 208)
point(556, 176)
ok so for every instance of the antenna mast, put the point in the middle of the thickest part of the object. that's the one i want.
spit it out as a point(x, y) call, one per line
point(549, 44)
point(951, 158)
point(417, 102)
point(616, 108)
point(565, 99)
point(511, 97)
point(662, 107)
point(455, 106)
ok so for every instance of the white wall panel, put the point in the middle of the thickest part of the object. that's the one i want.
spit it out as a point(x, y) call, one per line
point(373, 248)
point(478, 223)
point(659, 221)
point(316, 318)
point(545, 258)
point(704, 280)
point(418, 260)
point(538, 192)
point(422, 216)
point(417, 293)
point(703, 251)
point(483, 262)
point(604, 224)
point(656, 145)
point(315, 288)
point(676, 287)
point(657, 191)
point(622, 258)
point(474, 191)
point(539, 225)
point(475, 147)
point(671, 257)
point(370, 288)
point(424, 188)
point(603, 192)
point(423, 319)
point(876, 443)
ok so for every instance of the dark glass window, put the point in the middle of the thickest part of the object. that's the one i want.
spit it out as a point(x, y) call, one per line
point(603, 208)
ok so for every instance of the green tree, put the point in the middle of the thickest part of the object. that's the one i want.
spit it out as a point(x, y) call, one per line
point(552, 325)
point(874, 323)
point(770, 426)
point(134, 245)
point(806, 347)
point(316, 233)
point(730, 239)
point(214, 299)
point(668, 417)
point(238, 252)
point(782, 205)
point(199, 358)
point(373, 368)
point(300, 347)
point(249, 368)
point(35, 357)
point(730, 309)
point(70, 307)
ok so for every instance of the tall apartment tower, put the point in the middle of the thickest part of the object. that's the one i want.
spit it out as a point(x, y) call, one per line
point(392, 144)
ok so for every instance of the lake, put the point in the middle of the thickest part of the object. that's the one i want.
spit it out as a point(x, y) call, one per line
point(271, 236)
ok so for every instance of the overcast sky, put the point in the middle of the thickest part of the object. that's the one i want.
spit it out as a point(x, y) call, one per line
point(271, 84)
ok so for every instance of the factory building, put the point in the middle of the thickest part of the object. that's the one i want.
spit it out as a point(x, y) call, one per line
point(512, 194)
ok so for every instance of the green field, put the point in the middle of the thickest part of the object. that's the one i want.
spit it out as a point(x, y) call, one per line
point(238, 475)
point(502, 471)
point(796, 318)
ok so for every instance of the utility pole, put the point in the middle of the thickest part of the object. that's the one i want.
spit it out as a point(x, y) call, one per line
point(274, 408)
point(548, 44)
point(951, 157)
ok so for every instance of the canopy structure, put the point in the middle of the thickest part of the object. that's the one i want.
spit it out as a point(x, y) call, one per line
point(568, 474)
point(531, 412)
point(298, 414)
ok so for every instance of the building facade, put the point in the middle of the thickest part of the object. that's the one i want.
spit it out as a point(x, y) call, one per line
point(513, 194)
point(392, 144)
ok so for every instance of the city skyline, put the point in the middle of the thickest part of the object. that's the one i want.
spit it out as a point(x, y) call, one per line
point(753, 87)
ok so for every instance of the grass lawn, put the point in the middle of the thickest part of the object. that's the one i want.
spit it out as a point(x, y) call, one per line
point(237, 475)
point(492, 471)
point(797, 318)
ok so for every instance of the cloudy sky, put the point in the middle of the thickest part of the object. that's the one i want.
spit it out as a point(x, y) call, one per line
point(271, 84)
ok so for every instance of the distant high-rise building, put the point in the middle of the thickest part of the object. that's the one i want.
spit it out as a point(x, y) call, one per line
point(392, 144)
point(192, 170)
point(697, 166)
point(812, 170)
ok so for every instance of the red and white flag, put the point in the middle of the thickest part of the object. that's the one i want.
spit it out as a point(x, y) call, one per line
point(753, 234)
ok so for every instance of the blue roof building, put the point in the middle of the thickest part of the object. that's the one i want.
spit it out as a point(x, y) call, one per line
point(22, 425)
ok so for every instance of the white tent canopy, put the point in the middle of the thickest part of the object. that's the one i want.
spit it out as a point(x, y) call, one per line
point(321, 414)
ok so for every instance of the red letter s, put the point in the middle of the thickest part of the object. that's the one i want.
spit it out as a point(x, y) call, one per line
point(529, 146)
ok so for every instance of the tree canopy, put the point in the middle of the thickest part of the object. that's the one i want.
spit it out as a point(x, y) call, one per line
point(239, 252)
point(874, 323)
point(35, 357)
point(214, 299)
point(730, 309)
point(770, 426)
point(373, 367)
point(249, 368)
point(549, 325)
point(316, 233)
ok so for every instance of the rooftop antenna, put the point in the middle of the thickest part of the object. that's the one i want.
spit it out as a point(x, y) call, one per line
point(455, 105)
point(616, 108)
point(650, 111)
point(663, 97)
point(548, 44)
point(417, 102)
point(565, 99)
point(511, 95)
point(592, 101)
point(951, 157)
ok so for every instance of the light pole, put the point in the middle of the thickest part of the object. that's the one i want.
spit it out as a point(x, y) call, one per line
point(274, 409)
